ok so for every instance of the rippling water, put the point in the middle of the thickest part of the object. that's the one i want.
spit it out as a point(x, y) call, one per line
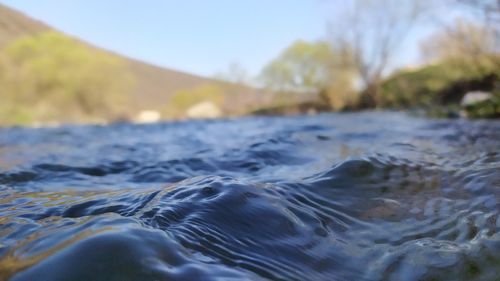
point(366, 196)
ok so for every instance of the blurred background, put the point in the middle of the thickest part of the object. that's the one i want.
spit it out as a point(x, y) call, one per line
point(112, 61)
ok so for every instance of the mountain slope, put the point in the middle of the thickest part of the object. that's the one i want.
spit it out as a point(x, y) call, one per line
point(154, 85)
point(14, 25)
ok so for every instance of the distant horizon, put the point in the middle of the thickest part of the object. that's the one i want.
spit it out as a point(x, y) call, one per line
point(142, 32)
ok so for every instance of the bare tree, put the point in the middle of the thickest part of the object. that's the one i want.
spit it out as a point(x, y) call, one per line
point(373, 30)
point(488, 14)
point(466, 45)
point(488, 10)
point(471, 40)
point(234, 73)
point(461, 39)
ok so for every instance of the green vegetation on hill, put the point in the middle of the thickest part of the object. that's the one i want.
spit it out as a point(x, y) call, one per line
point(141, 86)
point(50, 77)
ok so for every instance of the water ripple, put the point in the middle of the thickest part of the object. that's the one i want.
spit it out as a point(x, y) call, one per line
point(300, 199)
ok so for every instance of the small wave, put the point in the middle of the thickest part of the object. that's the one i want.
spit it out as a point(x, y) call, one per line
point(262, 208)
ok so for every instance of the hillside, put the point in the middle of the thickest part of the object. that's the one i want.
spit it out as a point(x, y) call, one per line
point(154, 85)
point(14, 25)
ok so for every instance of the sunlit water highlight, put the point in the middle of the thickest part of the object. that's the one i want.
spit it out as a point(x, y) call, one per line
point(366, 196)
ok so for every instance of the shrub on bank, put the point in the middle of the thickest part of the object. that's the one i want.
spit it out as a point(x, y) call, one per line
point(426, 86)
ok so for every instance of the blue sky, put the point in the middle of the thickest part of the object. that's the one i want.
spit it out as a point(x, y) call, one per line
point(201, 37)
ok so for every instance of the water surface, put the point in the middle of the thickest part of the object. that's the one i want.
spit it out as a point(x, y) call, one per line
point(365, 196)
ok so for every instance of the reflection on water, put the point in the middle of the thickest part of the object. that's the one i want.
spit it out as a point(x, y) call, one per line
point(371, 196)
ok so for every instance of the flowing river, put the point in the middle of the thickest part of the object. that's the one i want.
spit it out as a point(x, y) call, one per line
point(355, 196)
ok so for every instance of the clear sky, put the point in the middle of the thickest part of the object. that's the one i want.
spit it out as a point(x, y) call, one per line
point(201, 37)
point(196, 36)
